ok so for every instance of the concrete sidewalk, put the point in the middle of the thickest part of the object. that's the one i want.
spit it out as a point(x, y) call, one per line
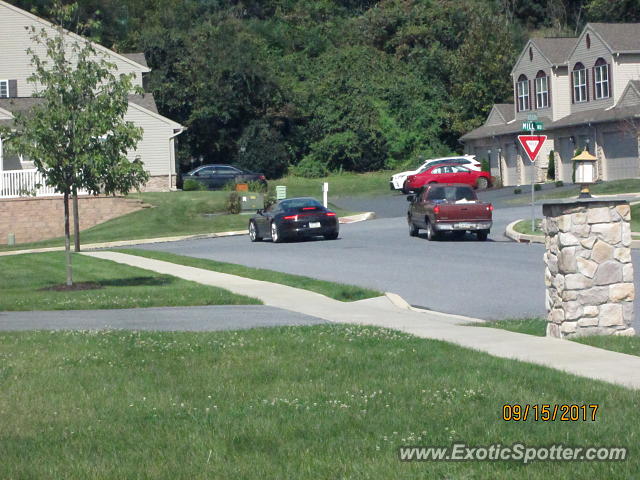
point(390, 312)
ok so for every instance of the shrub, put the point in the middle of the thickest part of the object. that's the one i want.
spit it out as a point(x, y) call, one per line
point(256, 186)
point(496, 182)
point(310, 167)
point(233, 203)
point(485, 165)
point(517, 191)
point(551, 170)
point(537, 187)
point(193, 185)
point(559, 183)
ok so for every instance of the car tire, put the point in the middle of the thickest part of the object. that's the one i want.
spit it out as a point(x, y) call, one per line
point(331, 236)
point(432, 233)
point(482, 183)
point(482, 235)
point(413, 230)
point(253, 232)
point(276, 236)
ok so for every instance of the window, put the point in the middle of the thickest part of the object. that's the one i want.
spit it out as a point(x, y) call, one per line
point(226, 170)
point(4, 88)
point(522, 88)
point(437, 171)
point(601, 79)
point(542, 90)
point(579, 84)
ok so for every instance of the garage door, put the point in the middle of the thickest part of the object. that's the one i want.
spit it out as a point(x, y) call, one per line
point(621, 152)
point(566, 154)
point(510, 177)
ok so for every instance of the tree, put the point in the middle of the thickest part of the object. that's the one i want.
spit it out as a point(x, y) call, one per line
point(77, 136)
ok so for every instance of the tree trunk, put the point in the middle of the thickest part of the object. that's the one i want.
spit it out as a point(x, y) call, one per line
point(67, 240)
point(76, 221)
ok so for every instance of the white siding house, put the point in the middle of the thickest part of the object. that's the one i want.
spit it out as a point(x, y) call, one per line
point(157, 147)
point(593, 91)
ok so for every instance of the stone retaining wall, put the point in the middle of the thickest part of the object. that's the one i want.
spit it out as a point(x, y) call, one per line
point(32, 219)
point(588, 274)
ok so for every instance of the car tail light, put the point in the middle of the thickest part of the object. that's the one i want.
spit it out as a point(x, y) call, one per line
point(330, 214)
point(290, 217)
point(436, 209)
point(262, 177)
point(308, 208)
point(490, 208)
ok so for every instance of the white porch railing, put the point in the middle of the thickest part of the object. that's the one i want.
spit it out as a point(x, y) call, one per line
point(24, 183)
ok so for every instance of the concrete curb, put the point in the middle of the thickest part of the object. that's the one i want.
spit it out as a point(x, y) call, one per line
point(402, 304)
point(143, 241)
point(523, 238)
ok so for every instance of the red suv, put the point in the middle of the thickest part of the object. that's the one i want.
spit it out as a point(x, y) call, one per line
point(448, 174)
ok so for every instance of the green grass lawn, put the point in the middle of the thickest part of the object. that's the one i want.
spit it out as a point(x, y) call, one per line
point(538, 327)
point(340, 185)
point(614, 187)
point(339, 291)
point(173, 214)
point(26, 278)
point(524, 226)
point(321, 402)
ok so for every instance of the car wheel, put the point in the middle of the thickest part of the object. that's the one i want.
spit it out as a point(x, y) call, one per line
point(413, 230)
point(482, 235)
point(275, 233)
point(331, 236)
point(482, 183)
point(253, 232)
point(432, 234)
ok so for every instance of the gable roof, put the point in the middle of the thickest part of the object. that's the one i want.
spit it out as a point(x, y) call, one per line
point(555, 49)
point(139, 58)
point(506, 111)
point(75, 36)
point(620, 37)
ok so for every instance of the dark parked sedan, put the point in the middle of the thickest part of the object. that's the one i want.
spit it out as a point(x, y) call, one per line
point(294, 218)
point(217, 176)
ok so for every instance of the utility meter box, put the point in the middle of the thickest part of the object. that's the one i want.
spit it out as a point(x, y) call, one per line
point(250, 202)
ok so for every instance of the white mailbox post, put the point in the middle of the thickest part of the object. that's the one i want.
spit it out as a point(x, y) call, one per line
point(325, 191)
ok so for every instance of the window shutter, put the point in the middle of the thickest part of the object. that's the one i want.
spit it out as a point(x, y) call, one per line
point(571, 80)
point(593, 72)
point(530, 108)
point(517, 99)
point(13, 88)
point(535, 94)
point(586, 78)
point(549, 91)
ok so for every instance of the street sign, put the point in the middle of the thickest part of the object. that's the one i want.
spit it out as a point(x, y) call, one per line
point(531, 126)
point(532, 116)
point(532, 145)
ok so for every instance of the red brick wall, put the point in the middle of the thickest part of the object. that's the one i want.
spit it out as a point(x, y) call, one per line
point(31, 219)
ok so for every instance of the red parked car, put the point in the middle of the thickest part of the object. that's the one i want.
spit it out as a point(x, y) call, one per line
point(448, 174)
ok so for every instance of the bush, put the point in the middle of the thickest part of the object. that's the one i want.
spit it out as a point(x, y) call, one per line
point(559, 183)
point(537, 187)
point(310, 167)
point(256, 186)
point(496, 182)
point(233, 203)
point(517, 191)
point(551, 169)
point(193, 185)
point(485, 165)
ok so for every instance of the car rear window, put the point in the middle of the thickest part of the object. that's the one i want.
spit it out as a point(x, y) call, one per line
point(299, 203)
point(451, 194)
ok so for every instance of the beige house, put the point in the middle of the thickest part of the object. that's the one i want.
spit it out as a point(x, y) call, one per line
point(157, 147)
point(586, 92)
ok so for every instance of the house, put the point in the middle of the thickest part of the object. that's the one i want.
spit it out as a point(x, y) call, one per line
point(157, 147)
point(586, 92)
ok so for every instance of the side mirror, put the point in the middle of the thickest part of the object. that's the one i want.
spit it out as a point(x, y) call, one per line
point(260, 211)
point(411, 198)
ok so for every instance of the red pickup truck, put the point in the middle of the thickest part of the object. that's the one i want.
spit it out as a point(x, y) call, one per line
point(453, 207)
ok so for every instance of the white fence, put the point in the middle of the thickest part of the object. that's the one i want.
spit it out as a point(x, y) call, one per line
point(24, 183)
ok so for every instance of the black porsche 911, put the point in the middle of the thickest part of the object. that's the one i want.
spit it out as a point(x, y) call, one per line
point(294, 218)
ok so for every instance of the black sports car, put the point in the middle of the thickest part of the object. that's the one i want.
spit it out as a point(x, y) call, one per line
point(294, 218)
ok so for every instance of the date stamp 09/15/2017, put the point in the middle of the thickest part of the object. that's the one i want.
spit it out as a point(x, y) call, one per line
point(546, 412)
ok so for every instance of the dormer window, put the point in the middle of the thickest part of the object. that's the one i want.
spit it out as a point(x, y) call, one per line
point(542, 90)
point(522, 90)
point(580, 80)
point(601, 80)
point(4, 88)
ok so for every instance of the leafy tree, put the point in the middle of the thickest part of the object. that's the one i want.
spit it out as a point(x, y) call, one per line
point(77, 136)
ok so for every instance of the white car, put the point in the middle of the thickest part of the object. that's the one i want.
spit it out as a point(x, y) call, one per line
point(469, 161)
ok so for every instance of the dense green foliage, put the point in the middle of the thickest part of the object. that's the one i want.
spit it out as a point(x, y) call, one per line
point(329, 84)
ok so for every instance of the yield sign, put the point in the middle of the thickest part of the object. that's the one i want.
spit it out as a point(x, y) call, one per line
point(532, 145)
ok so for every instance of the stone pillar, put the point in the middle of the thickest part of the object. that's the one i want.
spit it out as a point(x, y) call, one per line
point(588, 274)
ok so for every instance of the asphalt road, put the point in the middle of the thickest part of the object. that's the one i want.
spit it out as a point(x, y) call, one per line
point(207, 318)
point(490, 280)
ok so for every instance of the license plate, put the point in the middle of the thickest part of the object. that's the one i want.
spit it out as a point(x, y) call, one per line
point(314, 224)
point(466, 225)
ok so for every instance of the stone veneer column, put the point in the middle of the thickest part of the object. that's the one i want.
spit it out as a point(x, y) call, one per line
point(588, 274)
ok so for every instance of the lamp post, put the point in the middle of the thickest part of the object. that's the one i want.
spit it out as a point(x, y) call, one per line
point(585, 172)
